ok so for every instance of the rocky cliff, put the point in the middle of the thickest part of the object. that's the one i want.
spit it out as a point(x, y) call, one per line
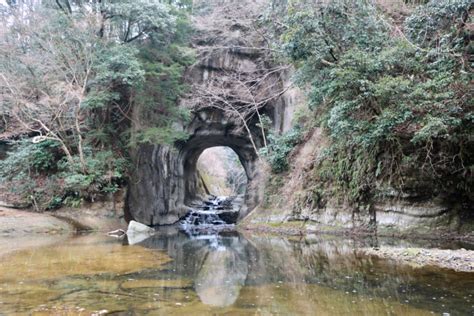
point(295, 199)
point(234, 83)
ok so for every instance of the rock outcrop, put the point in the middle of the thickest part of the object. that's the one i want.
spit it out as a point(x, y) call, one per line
point(294, 199)
point(231, 56)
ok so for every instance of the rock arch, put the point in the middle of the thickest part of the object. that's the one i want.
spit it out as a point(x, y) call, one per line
point(234, 67)
point(166, 180)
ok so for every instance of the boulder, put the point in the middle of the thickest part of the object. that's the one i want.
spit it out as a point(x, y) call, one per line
point(228, 216)
point(137, 232)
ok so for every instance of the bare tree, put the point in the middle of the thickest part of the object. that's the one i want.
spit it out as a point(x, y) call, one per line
point(44, 78)
point(242, 77)
point(56, 62)
point(243, 98)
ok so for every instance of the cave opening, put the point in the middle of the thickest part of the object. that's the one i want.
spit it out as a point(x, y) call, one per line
point(217, 186)
point(170, 185)
point(221, 172)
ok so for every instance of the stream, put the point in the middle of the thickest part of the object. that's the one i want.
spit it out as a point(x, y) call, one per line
point(211, 216)
point(223, 272)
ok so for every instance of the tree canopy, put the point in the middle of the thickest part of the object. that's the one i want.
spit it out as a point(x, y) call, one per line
point(395, 97)
point(76, 74)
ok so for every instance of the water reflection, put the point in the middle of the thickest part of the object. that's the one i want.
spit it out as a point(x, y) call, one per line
point(218, 263)
point(221, 276)
point(221, 265)
point(173, 273)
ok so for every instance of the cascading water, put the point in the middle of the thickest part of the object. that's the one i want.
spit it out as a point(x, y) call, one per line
point(213, 215)
point(202, 218)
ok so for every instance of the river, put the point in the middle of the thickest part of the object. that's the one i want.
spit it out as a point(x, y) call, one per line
point(174, 273)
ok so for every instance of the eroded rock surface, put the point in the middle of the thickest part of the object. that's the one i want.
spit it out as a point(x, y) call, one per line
point(231, 56)
point(17, 223)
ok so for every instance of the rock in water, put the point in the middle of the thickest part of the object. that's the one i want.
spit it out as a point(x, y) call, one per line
point(228, 216)
point(137, 232)
point(136, 227)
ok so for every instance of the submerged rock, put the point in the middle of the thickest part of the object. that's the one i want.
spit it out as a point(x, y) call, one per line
point(460, 260)
point(116, 233)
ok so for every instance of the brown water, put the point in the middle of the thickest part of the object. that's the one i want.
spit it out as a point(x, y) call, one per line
point(174, 274)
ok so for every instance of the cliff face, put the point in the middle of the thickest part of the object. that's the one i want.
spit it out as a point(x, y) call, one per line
point(233, 84)
point(379, 173)
point(296, 196)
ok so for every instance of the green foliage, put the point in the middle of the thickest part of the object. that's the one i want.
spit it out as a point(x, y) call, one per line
point(351, 171)
point(30, 167)
point(389, 105)
point(151, 18)
point(55, 202)
point(105, 173)
point(160, 135)
point(437, 20)
point(323, 34)
point(44, 155)
point(279, 147)
point(89, 71)
point(27, 157)
point(24, 172)
point(157, 96)
point(118, 65)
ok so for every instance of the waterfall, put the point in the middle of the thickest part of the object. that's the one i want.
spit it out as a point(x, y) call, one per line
point(207, 217)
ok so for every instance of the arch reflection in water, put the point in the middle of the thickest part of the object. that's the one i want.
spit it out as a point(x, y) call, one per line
point(173, 273)
point(223, 272)
point(228, 272)
point(218, 263)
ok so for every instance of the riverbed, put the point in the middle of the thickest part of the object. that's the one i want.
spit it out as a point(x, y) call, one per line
point(175, 273)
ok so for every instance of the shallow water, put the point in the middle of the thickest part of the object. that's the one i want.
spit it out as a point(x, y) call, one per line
point(172, 273)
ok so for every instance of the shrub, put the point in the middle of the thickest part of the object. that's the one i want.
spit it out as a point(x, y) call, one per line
point(26, 158)
point(104, 174)
point(279, 146)
point(386, 100)
point(45, 178)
